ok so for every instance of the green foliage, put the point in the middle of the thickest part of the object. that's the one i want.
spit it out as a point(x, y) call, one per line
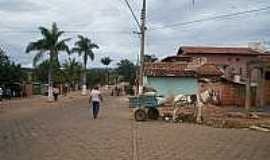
point(3, 57)
point(95, 77)
point(127, 70)
point(42, 71)
point(49, 44)
point(72, 70)
point(9, 71)
point(84, 47)
point(106, 61)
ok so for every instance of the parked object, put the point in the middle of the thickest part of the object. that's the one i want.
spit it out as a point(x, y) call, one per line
point(144, 106)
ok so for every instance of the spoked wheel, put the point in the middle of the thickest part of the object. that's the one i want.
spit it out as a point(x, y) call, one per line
point(153, 113)
point(140, 115)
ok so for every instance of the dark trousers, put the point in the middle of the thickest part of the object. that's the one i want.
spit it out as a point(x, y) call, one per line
point(55, 97)
point(95, 109)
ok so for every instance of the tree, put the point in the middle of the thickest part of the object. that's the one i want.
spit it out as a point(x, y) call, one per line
point(72, 70)
point(127, 70)
point(50, 44)
point(95, 77)
point(9, 71)
point(42, 70)
point(84, 47)
point(150, 58)
point(106, 61)
point(3, 57)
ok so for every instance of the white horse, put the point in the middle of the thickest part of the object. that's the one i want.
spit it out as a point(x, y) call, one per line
point(180, 101)
point(203, 99)
point(198, 101)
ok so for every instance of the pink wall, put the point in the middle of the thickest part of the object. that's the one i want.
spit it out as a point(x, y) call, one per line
point(238, 63)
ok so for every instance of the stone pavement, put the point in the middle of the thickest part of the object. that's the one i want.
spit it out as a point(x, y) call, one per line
point(66, 131)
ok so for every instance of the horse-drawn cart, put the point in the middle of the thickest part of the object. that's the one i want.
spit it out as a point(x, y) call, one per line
point(144, 106)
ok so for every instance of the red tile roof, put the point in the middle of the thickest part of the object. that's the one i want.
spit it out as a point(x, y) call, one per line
point(209, 70)
point(244, 51)
point(170, 69)
point(163, 69)
point(177, 59)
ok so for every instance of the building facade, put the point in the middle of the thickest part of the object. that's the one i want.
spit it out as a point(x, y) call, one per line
point(233, 61)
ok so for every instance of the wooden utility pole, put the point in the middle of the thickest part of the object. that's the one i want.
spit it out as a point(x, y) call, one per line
point(247, 96)
point(142, 30)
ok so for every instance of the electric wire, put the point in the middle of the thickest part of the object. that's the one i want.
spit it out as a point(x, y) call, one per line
point(212, 18)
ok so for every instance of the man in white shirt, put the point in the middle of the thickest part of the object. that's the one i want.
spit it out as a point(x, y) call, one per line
point(95, 99)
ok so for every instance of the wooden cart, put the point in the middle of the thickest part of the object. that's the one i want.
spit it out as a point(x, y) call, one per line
point(144, 107)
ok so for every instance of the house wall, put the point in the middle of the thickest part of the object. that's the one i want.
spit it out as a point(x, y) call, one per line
point(267, 92)
point(170, 86)
point(28, 90)
point(236, 62)
point(229, 94)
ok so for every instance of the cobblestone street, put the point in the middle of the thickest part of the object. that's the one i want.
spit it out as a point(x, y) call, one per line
point(66, 131)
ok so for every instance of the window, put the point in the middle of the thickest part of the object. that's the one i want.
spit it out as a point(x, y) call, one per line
point(237, 59)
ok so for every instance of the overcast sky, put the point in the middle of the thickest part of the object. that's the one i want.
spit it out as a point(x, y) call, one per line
point(109, 24)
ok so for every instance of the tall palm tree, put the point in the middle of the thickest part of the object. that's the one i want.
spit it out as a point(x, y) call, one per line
point(50, 44)
point(84, 47)
point(106, 61)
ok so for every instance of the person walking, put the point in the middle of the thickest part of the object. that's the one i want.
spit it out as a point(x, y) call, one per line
point(65, 89)
point(8, 93)
point(1, 94)
point(95, 99)
point(55, 93)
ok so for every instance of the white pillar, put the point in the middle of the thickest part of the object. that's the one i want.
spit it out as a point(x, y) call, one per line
point(84, 90)
point(50, 93)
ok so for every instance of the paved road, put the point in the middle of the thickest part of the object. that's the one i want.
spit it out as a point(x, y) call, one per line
point(68, 132)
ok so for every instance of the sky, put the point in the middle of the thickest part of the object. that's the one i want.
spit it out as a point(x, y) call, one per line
point(109, 24)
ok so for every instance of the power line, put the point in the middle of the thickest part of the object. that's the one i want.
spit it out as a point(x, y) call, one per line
point(213, 18)
point(66, 31)
point(133, 14)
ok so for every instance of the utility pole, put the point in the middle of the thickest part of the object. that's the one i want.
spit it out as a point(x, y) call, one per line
point(142, 30)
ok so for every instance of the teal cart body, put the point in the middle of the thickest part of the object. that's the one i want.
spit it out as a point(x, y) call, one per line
point(144, 106)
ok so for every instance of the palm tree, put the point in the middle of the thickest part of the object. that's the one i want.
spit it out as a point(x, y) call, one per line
point(84, 47)
point(106, 61)
point(50, 44)
point(72, 70)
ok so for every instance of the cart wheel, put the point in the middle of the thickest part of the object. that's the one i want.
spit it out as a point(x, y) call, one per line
point(140, 115)
point(153, 113)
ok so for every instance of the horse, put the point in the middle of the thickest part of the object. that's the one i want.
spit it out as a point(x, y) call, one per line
point(196, 100)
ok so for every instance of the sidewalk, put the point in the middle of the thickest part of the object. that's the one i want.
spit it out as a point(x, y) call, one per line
point(38, 101)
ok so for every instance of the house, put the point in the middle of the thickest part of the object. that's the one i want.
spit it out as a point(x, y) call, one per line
point(171, 79)
point(243, 67)
point(232, 60)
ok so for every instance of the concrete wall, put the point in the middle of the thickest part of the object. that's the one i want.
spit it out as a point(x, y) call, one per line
point(170, 86)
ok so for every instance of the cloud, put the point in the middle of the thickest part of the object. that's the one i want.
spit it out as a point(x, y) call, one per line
point(20, 6)
point(110, 24)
